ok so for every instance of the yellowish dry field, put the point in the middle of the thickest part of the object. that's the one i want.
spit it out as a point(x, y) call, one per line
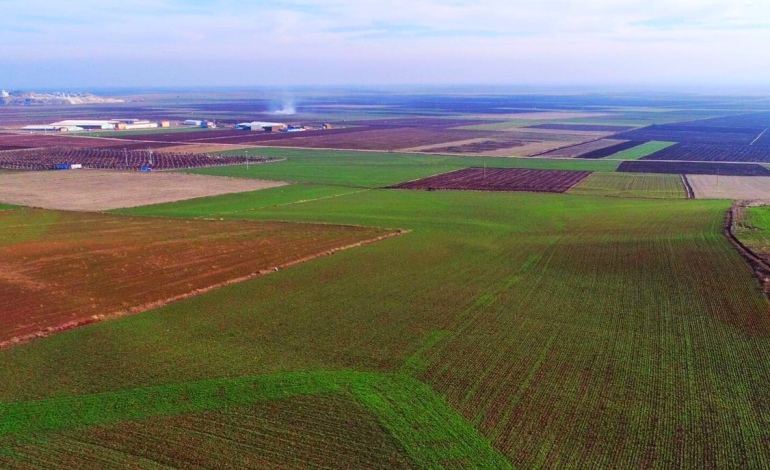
point(730, 187)
point(97, 190)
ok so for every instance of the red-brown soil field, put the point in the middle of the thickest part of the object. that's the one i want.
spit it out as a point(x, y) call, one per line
point(61, 269)
point(35, 140)
point(116, 159)
point(360, 138)
point(500, 179)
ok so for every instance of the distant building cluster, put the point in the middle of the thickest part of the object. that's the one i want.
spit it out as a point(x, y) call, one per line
point(73, 125)
point(277, 127)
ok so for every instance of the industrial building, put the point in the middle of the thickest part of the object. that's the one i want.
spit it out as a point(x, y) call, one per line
point(86, 124)
point(49, 128)
point(128, 124)
point(261, 126)
point(72, 125)
point(200, 123)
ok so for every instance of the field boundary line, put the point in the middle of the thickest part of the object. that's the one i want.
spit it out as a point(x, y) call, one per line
point(756, 263)
point(160, 303)
point(758, 137)
point(688, 191)
point(301, 201)
point(395, 185)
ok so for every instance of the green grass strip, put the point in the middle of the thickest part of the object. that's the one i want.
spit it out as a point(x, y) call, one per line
point(640, 151)
point(418, 361)
point(431, 432)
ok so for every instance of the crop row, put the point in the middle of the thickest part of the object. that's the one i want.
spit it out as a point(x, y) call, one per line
point(115, 158)
point(500, 179)
point(697, 135)
point(713, 153)
point(749, 120)
point(693, 168)
point(582, 127)
point(607, 151)
point(630, 185)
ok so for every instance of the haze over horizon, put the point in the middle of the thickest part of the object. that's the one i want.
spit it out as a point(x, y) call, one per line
point(654, 43)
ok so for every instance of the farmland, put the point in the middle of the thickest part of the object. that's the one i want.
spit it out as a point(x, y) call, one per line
point(97, 190)
point(694, 134)
point(695, 168)
point(114, 158)
point(17, 141)
point(473, 263)
point(713, 153)
point(607, 151)
point(62, 268)
point(581, 127)
point(640, 151)
point(377, 169)
point(500, 179)
point(730, 187)
point(579, 149)
point(640, 185)
point(609, 326)
point(752, 227)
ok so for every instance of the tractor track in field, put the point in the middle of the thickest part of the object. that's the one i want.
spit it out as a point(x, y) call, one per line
point(688, 192)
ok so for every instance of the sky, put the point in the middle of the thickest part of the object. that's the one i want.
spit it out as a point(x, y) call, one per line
point(155, 43)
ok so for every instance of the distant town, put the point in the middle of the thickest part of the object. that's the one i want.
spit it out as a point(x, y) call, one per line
point(76, 125)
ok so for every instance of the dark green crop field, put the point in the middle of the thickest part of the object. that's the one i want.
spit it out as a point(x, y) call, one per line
point(502, 330)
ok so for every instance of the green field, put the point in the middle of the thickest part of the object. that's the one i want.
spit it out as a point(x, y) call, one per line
point(752, 227)
point(563, 330)
point(639, 185)
point(378, 169)
point(640, 151)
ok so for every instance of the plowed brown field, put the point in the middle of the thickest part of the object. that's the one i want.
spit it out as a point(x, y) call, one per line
point(63, 269)
point(499, 179)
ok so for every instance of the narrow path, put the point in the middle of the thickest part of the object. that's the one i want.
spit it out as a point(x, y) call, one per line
point(688, 192)
point(758, 137)
point(758, 265)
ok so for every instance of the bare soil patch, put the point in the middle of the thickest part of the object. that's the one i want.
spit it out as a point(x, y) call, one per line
point(580, 149)
point(98, 190)
point(730, 187)
point(59, 270)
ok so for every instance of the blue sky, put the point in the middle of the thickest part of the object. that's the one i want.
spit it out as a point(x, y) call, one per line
point(89, 43)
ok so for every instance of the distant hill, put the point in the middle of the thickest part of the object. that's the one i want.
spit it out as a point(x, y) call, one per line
point(31, 98)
